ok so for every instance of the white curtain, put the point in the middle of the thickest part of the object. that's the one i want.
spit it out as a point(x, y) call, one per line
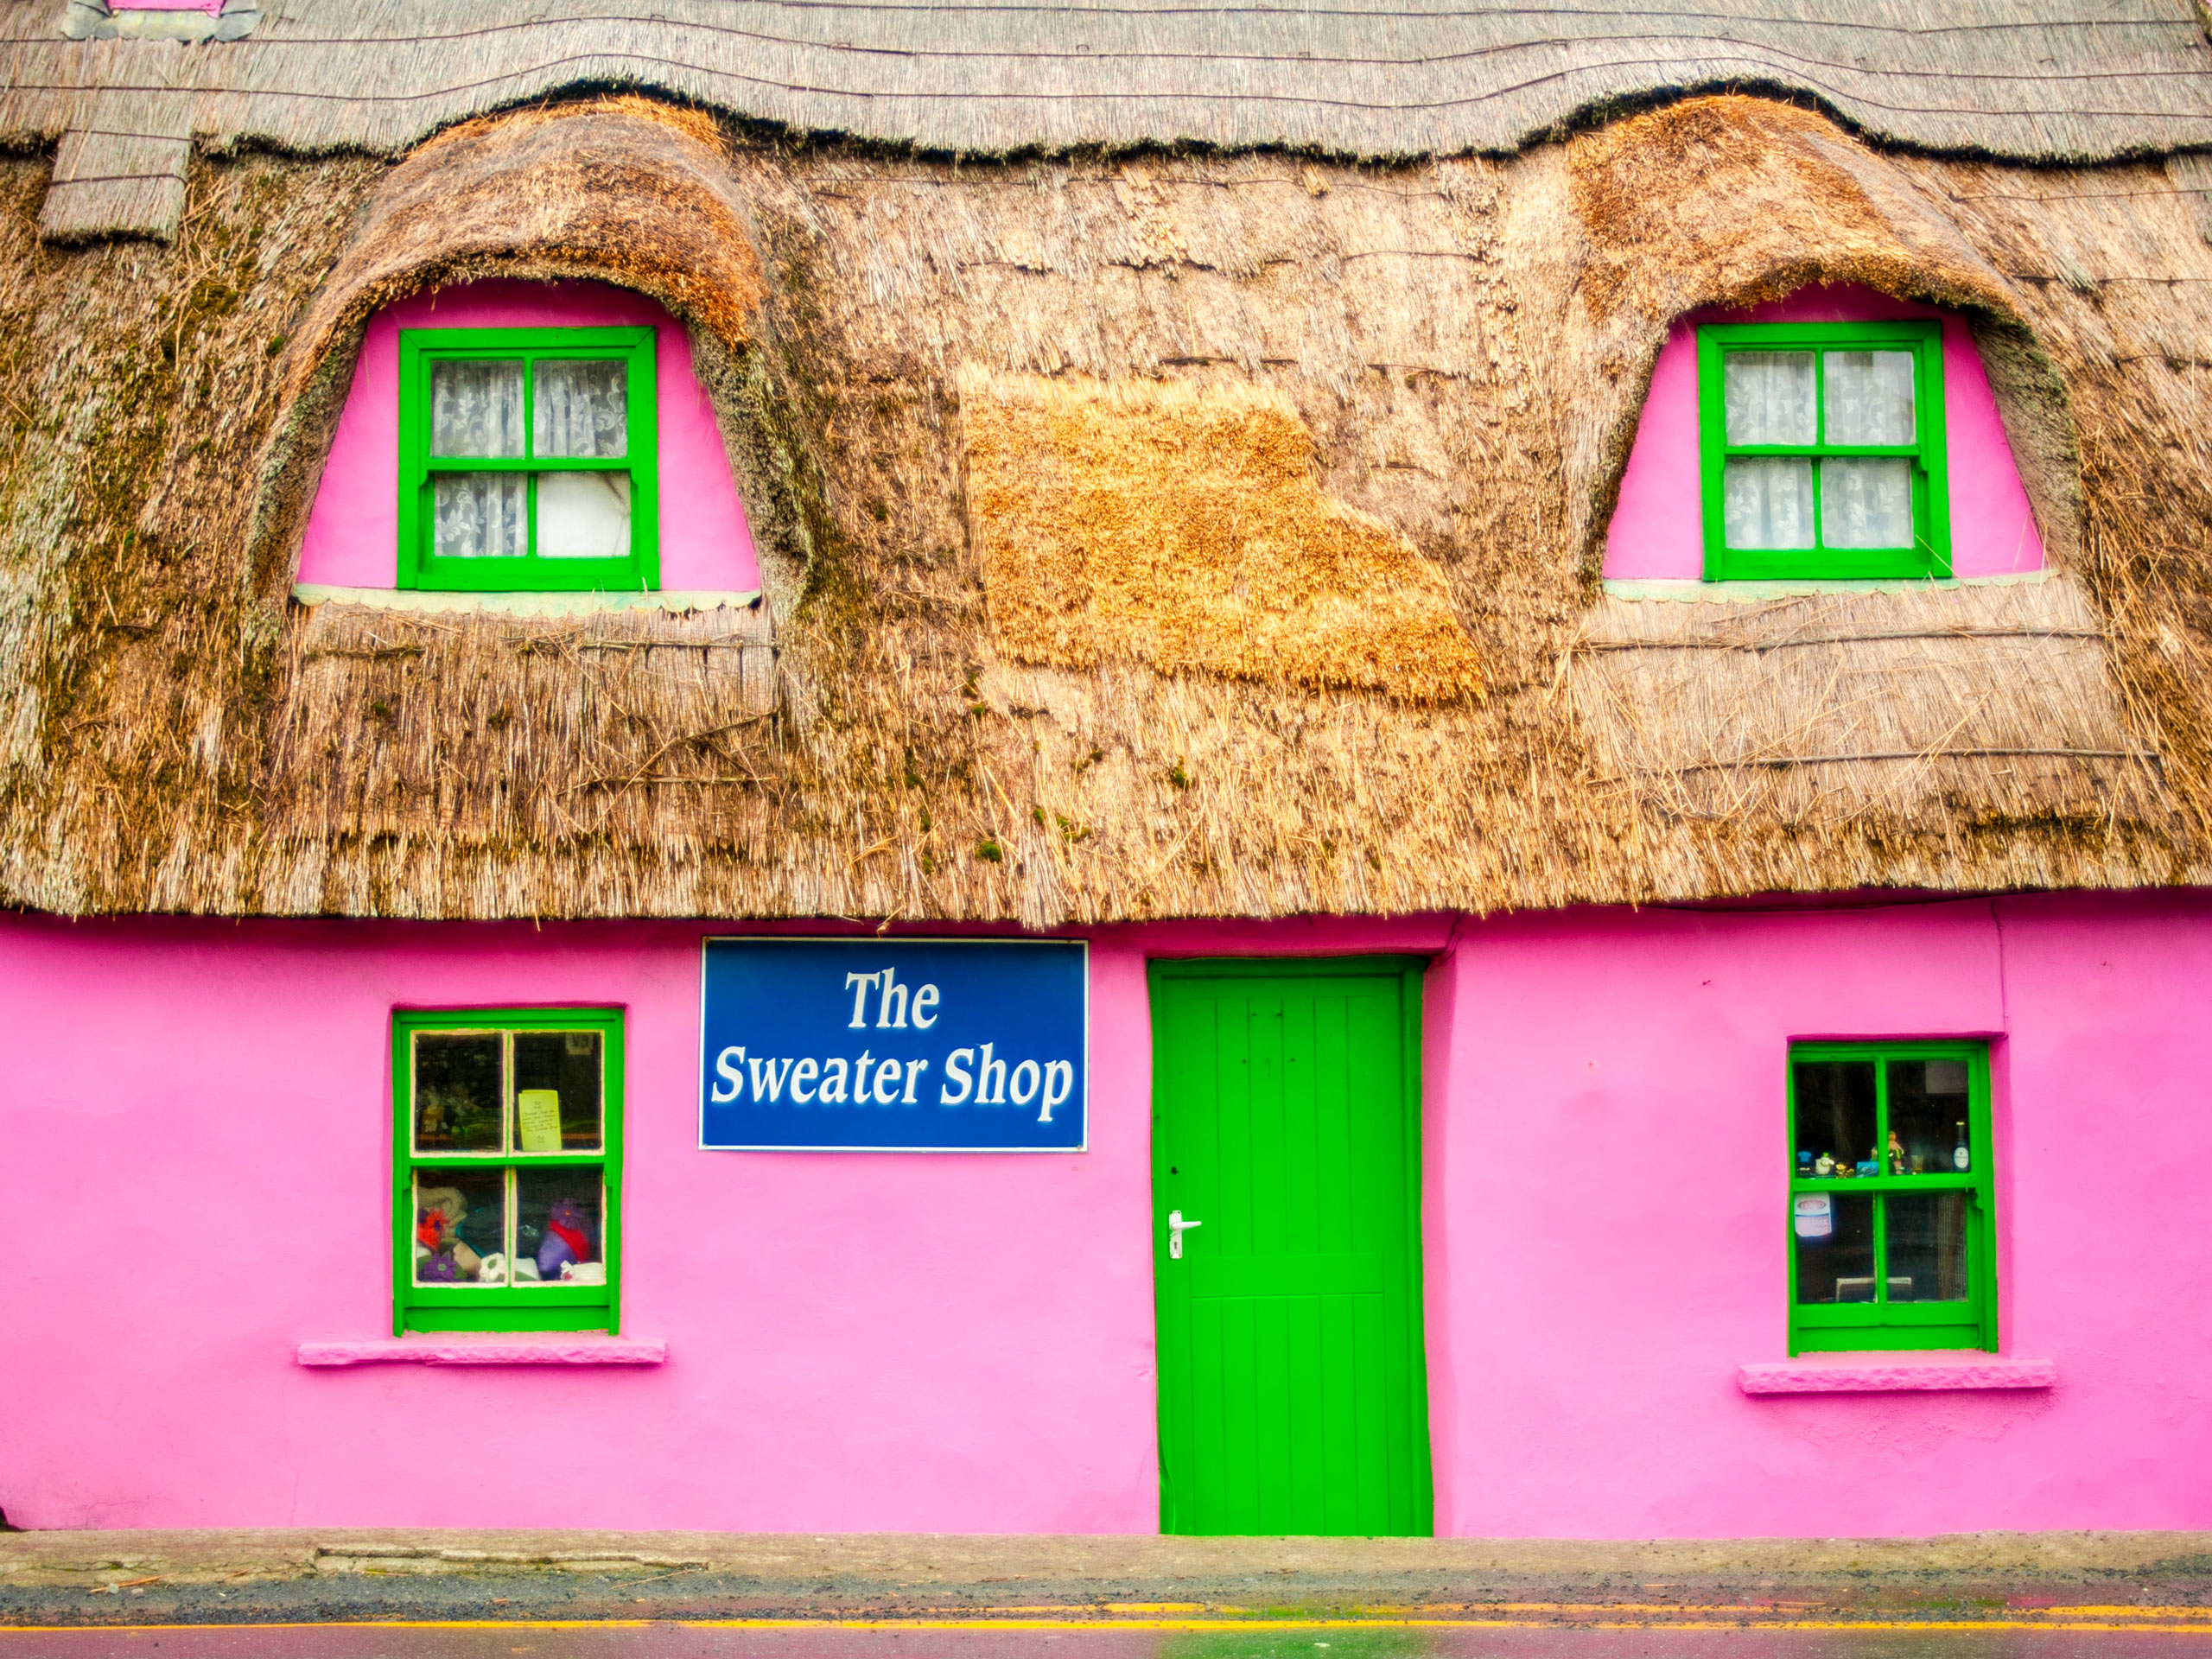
point(476, 408)
point(1869, 397)
point(481, 515)
point(582, 408)
point(1767, 501)
point(1866, 502)
point(1769, 396)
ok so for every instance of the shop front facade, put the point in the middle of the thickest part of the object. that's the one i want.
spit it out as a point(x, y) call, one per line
point(1589, 1115)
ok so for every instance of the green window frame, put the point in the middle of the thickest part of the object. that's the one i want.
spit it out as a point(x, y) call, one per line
point(1920, 1227)
point(443, 1140)
point(421, 352)
point(1929, 553)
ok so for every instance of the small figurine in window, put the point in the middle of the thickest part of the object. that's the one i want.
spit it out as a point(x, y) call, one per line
point(446, 1259)
point(568, 1239)
point(1896, 1155)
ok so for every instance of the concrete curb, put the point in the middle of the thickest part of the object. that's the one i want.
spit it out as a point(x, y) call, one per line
point(360, 1573)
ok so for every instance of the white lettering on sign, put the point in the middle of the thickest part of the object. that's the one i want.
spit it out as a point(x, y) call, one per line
point(955, 1071)
point(858, 984)
point(1060, 1084)
point(726, 1065)
point(805, 1072)
point(891, 1005)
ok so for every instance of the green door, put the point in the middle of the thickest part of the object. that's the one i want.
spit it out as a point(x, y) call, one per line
point(1286, 1185)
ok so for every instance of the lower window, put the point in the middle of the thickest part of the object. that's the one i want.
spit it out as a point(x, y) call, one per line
point(506, 1169)
point(1893, 1235)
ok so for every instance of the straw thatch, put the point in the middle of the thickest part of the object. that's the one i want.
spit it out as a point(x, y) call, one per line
point(1158, 524)
point(1465, 343)
point(2019, 78)
point(1987, 704)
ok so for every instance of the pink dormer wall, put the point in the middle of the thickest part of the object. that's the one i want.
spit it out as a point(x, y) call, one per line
point(353, 533)
point(1658, 528)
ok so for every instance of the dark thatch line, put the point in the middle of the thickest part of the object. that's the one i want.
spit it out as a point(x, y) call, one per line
point(2019, 78)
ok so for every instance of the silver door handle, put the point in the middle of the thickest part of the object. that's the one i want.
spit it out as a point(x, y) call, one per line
point(1176, 1227)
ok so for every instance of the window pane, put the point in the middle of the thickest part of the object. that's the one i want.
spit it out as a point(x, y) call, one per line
point(1835, 1115)
point(460, 1226)
point(556, 1090)
point(1927, 1246)
point(1767, 501)
point(457, 1091)
point(557, 1234)
point(582, 408)
point(584, 515)
point(480, 516)
point(1837, 1266)
point(475, 408)
point(1869, 397)
point(1866, 503)
point(1928, 1117)
point(1768, 397)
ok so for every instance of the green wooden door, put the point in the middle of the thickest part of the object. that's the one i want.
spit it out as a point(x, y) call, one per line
point(1286, 1140)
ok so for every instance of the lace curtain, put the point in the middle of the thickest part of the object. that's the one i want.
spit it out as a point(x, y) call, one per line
point(1767, 398)
point(580, 408)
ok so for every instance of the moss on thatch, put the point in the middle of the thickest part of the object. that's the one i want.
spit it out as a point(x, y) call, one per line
point(1146, 522)
point(1465, 341)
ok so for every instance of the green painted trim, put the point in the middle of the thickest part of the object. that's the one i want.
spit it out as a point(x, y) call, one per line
point(1882, 1324)
point(1410, 971)
point(1282, 967)
point(511, 1307)
point(420, 568)
point(1929, 556)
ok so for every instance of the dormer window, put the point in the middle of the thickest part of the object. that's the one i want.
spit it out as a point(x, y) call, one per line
point(1823, 450)
point(527, 460)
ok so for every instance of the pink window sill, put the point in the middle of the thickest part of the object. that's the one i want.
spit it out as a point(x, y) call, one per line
point(1893, 1373)
point(213, 8)
point(553, 1349)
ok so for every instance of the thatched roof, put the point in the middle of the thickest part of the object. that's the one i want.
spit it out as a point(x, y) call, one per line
point(2020, 79)
point(960, 699)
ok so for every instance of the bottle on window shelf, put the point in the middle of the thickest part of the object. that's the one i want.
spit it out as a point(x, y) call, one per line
point(1959, 1157)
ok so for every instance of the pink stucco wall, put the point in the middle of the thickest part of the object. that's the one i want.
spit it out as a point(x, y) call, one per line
point(353, 533)
point(1657, 531)
point(196, 1127)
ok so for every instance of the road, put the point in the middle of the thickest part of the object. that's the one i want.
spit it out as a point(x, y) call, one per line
point(671, 1640)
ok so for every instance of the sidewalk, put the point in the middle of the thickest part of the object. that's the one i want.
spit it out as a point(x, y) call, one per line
point(340, 1573)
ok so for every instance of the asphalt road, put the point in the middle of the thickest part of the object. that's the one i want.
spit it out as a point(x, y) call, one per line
point(677, 1641)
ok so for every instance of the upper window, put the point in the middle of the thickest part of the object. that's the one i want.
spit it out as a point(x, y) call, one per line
point(527, 460)
point(1891, 1217)
point(507, 1165)
point(1822, 449)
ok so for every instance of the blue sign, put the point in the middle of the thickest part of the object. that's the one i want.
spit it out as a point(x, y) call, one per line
point(894, 1045)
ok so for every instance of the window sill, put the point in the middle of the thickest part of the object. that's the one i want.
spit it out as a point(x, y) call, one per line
point(428, 602)
point(1895, 1373)
point(1694, 590)
point(559, 1348)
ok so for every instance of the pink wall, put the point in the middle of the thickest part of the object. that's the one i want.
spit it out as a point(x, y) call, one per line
point(197, 1137)
point(1657, 530)
point(352, 533)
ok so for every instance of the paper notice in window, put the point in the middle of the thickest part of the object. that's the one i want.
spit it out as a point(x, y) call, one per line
point(538, 1119)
